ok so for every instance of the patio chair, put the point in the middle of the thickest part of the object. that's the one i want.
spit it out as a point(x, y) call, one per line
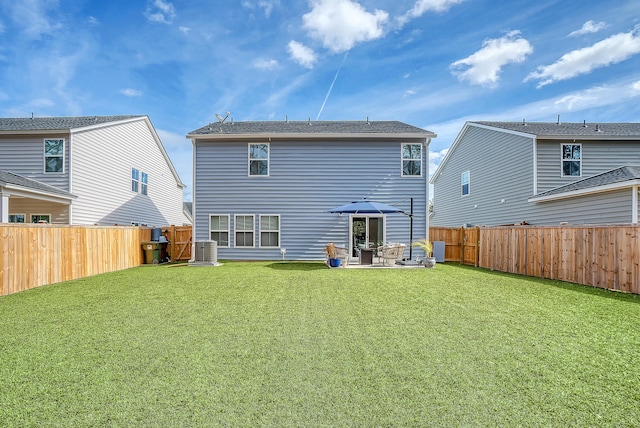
point(392, 253)
point(342, 254)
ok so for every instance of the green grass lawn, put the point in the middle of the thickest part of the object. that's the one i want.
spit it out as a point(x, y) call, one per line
point(297, 344)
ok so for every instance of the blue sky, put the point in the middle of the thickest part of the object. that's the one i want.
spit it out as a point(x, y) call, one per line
point(430, 63)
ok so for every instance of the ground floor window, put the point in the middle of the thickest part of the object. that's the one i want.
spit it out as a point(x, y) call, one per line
point(269, 231)
point(17, 218)
point(244, 230)
point(40, 218)
point(219, 229)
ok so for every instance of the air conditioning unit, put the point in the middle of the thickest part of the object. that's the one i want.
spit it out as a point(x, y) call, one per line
point(206, 252)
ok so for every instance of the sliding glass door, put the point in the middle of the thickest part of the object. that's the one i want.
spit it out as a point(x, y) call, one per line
point(366, 231)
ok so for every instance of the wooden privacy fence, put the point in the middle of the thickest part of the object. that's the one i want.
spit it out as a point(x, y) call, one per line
point(460, 244)
point(34, 255)
point(600, 256)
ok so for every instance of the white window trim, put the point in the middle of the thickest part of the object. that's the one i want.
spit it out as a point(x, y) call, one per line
point(402, 159)
point(39, 214)
point(249, 159)
point(468, 183)
point(269, 230)
point(221, 230)
point(235, 230)
point(562, 159)
point(44, 157)
point(22, 214)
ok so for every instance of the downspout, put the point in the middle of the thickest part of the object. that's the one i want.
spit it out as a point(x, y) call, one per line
point(193, 202)
point(427, 141)
point(535, 165)
point(634, 203)
point(69, 173)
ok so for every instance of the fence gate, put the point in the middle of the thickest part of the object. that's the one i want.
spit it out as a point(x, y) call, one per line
point(180, 239)
point(461, 244)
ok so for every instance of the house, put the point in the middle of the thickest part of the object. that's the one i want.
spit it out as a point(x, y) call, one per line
point(498, 173)
point(100, 170)
point(263, 190)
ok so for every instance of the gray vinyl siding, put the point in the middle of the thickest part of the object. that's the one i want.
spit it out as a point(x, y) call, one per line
point(306, 179)
point(597, 157)
point(101, 177)
point(24, 155)
point(500, 167)
point(600, 208)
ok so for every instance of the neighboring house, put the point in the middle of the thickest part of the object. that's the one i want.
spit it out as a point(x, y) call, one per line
point(263, 188)
point(187, 208)
point(101, 170)
point(498, 173)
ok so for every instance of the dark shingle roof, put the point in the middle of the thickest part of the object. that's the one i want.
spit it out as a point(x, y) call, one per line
point(618, 175)
point(57, 123)
point(553, 129)
point(7, 177)
point(310, 127)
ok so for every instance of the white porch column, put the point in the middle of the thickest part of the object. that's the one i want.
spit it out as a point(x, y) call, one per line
point(4, 207)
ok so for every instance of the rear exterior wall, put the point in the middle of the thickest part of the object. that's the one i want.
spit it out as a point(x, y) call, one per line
point(306, 179)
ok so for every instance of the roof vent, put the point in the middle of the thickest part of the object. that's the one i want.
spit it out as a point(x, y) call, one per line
point(584, 124)
point(309, 120)
point(286, 118)
point(524, 123)
point(368, 123)
point(598, 128)
point(558, 122)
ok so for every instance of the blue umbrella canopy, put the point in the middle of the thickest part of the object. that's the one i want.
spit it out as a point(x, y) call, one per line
point(365, 207)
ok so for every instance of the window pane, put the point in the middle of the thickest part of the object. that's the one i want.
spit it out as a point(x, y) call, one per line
point(576, 152)
point(53, 165)
point(269, 239)
point(465, 189)
point(53, 147)
point(259, 168)
point(16, 218)
point(259, 151)
point(222, 238)
point(411, 167)
point(215, 223)
point(145, 177)
point(134, 186)
point(135, 174)
point(244, 239)
point(571, 168)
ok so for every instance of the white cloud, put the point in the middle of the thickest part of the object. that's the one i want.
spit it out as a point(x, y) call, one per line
point(266, 5)
point(131, 92)
point(32, 17)
point(160, 11)
point(341, 24)
point(184, 30)
point(301, 54)
point(612, 50)
point(409, 93)
point(435, 158)
point(423, 6)
point(266, 64)
point(588, 27)
point(485, 65)
point(92, 20)
point(636, 86)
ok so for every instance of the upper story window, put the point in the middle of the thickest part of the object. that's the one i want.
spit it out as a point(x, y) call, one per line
point(139, 181)
point(244, 225)
point(465, 182)
point(54, 155)
point(411, 160)
point(571, 160)
point(270, 231)
point(219, 229)
point(259, 159)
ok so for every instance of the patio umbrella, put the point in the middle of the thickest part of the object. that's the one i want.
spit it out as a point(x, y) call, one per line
point(370, 207)
point(365, 207)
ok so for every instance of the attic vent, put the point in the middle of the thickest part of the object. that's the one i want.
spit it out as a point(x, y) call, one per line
point(206, 252)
